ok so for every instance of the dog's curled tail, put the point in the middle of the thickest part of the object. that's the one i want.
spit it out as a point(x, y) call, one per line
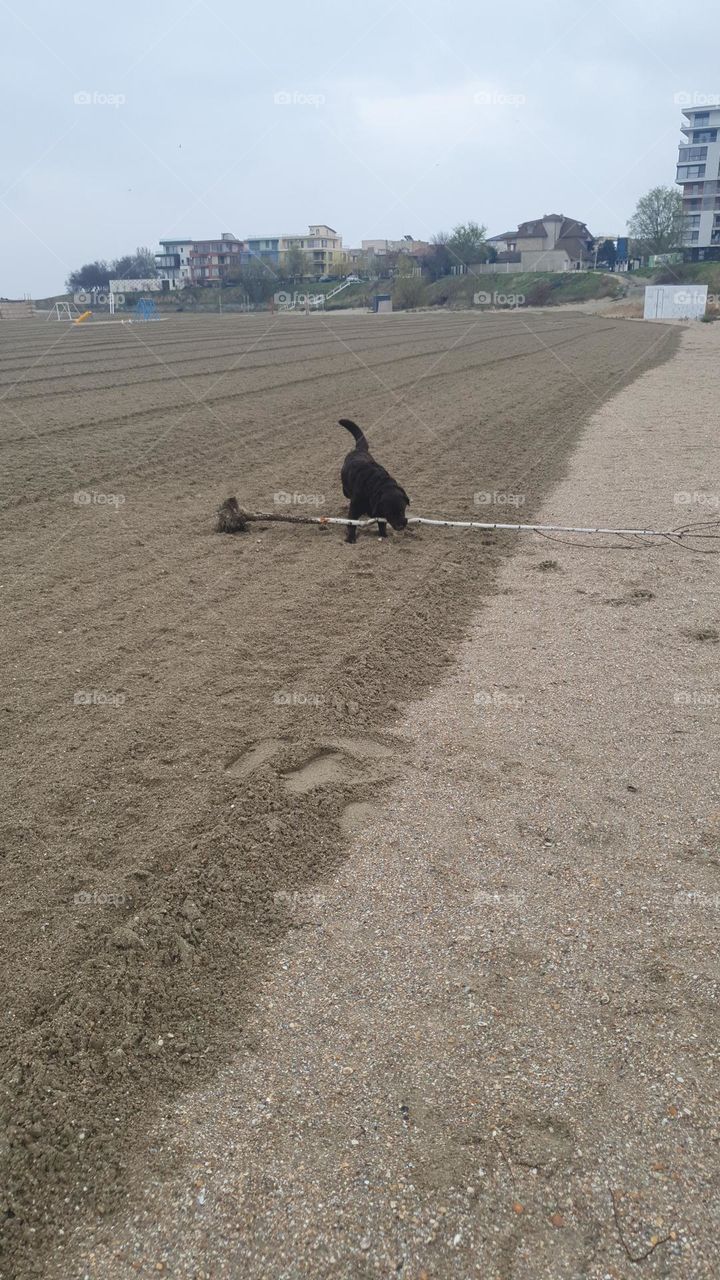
point(355, 431)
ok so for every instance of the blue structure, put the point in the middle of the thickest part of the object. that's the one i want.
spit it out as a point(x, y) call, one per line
point(147, 310)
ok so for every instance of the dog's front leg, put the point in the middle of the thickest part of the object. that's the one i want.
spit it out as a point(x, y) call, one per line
point(382, 529)
point(354, 513)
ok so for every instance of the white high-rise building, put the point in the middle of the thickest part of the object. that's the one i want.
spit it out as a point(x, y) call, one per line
point(698, 174)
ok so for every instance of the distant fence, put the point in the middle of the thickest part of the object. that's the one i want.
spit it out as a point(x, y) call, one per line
point(494, 268)
point(16, 310)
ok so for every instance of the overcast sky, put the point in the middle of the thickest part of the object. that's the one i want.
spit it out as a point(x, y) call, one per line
point(381, 118)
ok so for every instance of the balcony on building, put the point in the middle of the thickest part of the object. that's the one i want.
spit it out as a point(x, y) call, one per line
point(692, 155)
point(699, 117)
point(697, 137)
point(167, 261)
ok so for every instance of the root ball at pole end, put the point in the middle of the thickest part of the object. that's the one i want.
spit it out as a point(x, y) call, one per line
point(231, 518)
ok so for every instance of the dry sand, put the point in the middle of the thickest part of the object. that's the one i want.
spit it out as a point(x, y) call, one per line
point(441, 1054)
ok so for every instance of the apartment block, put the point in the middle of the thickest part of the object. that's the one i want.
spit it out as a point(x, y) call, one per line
point(321, 246)
point(173, 262)
point(203, 262)
point(698, 173)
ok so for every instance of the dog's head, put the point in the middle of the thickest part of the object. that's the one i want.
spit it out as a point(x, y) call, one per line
point(393, 503)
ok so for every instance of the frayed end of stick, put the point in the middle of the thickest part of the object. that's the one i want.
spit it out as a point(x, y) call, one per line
point(231, 518)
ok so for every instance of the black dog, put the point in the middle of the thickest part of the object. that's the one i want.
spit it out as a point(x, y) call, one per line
point(370, 488)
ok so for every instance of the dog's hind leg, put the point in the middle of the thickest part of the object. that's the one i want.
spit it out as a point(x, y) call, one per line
point(382, 529)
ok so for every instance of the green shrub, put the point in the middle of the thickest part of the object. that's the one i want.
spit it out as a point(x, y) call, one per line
point(539, 294)
point(408, 291)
